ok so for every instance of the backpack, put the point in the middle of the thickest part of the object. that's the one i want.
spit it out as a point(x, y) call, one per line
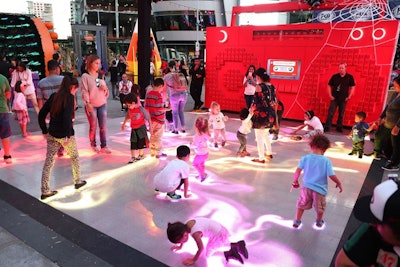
point(180, 83)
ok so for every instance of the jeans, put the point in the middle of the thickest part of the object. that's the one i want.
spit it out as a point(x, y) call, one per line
point(331, 111)
point(99, 114)
point(178, 102)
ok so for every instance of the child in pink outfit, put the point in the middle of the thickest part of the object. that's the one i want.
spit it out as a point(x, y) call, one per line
point(200, 145)
point(20, 107)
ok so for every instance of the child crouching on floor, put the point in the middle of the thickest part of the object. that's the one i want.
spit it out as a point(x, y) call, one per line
point(174, 175)
point(137, 115)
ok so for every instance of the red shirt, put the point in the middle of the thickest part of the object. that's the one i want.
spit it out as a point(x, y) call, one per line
point(137, 118)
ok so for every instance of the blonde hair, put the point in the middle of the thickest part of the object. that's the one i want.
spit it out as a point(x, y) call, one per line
point(201, 125)
point(214, 104)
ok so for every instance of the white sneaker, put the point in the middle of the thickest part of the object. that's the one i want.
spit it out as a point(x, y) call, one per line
point(95, 149)
point(7, 159)
point(105, 150)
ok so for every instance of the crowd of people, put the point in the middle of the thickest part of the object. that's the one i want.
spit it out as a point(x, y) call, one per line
point(56, 103)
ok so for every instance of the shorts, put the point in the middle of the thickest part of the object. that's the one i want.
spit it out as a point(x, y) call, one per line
point(309, 198)
point(5, 128)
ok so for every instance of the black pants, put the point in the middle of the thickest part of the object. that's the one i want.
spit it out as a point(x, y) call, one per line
point(195, 92)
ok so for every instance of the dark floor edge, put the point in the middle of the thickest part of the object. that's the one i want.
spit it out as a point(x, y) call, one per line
point(373, 178)
point(99, 244)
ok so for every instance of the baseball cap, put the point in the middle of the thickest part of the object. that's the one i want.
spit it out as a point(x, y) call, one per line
point(382, 206)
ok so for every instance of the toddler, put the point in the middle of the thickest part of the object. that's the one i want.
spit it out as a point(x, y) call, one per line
point(244, 129)
point(217, 121)
point(137, 115)
point(20, 107)
point(174, 175)
point(357, 134)
point(317, 168)
point(313, 124)
point(200, 145)
point(198, 228)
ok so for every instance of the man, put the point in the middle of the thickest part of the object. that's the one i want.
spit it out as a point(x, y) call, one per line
point(49, 85)
point(198, 73)
point(340, 90)
point(5, 128)
point(377, 241)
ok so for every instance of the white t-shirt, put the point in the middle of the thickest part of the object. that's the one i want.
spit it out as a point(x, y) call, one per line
point(315, 122)
point(169, 178)
point(200, 144)
point(217, 121)
point(247, 124)
point(249, 89)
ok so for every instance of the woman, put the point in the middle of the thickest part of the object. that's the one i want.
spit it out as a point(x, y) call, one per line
point(249, 83)
point(94, 96)
point(177, 99)
point(264, 114)
point(23, 74)
point(61, 106)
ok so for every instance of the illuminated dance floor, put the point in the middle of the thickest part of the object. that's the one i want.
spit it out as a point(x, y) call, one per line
point(253, 201)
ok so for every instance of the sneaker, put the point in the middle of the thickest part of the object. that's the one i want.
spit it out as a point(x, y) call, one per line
point(183, 131)
point(275, 137)
point(269, 156)
point(80, 184)
point(389, 166)
point(7, 159)
point(351, 153)
point(95, 149)
point(156, 191)
point(245, 153)
point(319, 223)
point(161, 156)
point(204, 177)
point(140, 157)
point(258, 160)
point(360, 155)
point(133, 159)
point(240, 155)
point(296, 223)
point(50, 194)
point(223, 143)
point(216, 145)
point(296, 138)
point(175, 132)
point(105, 150)
point(173, 196)
point(233, 253)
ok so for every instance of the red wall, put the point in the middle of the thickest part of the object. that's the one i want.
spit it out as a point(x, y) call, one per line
point(367, 49)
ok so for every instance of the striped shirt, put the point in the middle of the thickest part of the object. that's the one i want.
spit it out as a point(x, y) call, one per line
point(155, 106)
point(49, 85)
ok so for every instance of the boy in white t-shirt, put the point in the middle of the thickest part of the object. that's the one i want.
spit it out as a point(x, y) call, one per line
point(314, 126)
point(174, 175)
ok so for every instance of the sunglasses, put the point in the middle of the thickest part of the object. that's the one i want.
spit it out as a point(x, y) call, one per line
point(98, 82)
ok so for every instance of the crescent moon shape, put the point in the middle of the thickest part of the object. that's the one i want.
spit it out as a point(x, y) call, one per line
point(223, 40)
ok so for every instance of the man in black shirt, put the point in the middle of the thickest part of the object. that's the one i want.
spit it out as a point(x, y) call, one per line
point(198, 73)
point(340, 90)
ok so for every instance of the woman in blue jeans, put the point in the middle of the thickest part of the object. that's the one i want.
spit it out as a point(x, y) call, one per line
point(177, 99)
point(94, 95)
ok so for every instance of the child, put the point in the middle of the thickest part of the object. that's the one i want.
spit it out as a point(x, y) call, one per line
point(217, 234)
point(20, 107)
point(174, 174)
point(376, 241)
point(154, 104)
point(314, 126)
point(244, 129)
point(217, 121)
point(200, 146)
point(357, 134)
point(317, 168)
point(136, 114)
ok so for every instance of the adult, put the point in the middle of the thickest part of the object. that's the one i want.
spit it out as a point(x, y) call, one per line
point(198, 73)
point(377, 241)
point(387, 136)
point(5, 67)
point(177, 99)
point(264, 114)
point(124, 88)
point(24, 74)
point(5, 128)
point(249, 83)
point(113, 71)
point(94, 96)
point(61, 106)
point(121, 66)
point(340, 90)
point(49, 85)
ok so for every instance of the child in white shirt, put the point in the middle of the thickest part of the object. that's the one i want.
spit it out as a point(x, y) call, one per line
point(244, 129)
point(217, 121)
point(314, 126)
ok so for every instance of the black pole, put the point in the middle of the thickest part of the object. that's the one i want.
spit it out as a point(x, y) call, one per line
point(144, 19)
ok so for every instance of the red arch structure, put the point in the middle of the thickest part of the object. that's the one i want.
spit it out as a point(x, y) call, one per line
point(300, 59)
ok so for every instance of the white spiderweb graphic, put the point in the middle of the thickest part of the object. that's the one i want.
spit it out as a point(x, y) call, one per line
point(370, 11)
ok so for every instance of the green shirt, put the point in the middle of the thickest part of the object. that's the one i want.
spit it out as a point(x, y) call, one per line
point(4, 87)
